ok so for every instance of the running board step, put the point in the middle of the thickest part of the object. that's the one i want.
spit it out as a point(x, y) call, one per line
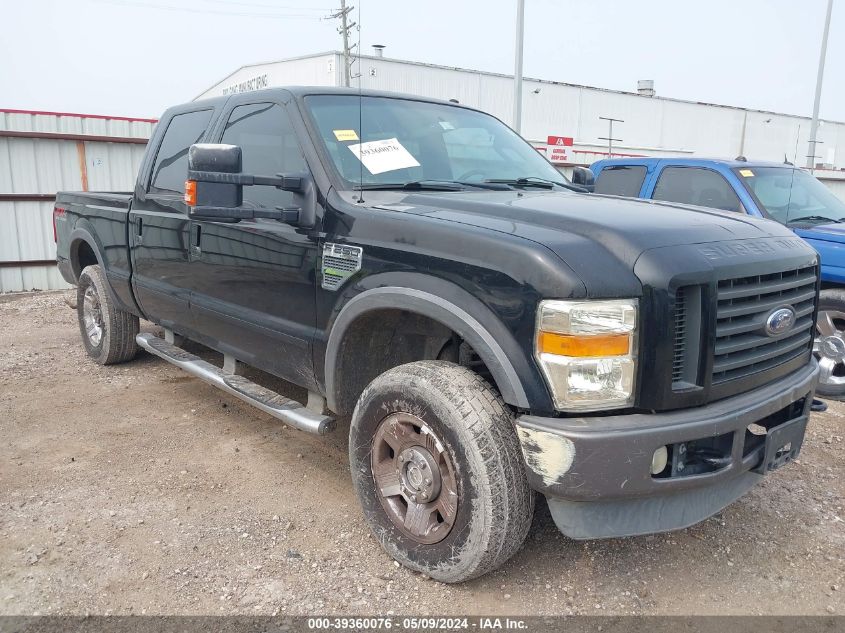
point(289, 411)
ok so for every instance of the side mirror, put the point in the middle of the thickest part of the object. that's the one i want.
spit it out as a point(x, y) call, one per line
point(205, 159)
point(583, 177)
point(214, 189)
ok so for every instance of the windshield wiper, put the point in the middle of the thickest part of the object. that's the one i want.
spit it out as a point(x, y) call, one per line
point(414, 185)
point(815, 218)
point(533, 181)
point(433, 185)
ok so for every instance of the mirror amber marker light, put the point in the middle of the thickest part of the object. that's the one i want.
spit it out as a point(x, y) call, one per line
point(191, 193)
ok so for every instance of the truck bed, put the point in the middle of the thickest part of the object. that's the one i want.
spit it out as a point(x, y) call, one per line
point(101, 219)
point(114, 199)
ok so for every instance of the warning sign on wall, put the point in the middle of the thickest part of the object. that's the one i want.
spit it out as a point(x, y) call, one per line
point(559, 149)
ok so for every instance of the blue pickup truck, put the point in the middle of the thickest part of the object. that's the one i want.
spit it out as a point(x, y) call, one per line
point(778, 191)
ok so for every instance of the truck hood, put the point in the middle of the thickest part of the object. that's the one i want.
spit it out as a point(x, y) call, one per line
point(583, 229)
point(824, 233)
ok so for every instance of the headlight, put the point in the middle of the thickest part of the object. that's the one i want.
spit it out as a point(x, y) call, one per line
point(587, 351)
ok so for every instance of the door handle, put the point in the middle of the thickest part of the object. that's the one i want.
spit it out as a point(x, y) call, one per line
point(139, 236)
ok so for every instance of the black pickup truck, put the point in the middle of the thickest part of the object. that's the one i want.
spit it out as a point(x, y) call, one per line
point(491, 331)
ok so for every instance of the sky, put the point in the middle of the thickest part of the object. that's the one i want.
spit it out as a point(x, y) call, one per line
point(137, 57)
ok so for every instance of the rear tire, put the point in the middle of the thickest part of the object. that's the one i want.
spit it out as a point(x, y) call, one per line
point(829, 345)
point(108, 333)
point(438, 470)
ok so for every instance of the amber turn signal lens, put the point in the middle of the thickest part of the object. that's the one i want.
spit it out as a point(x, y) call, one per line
point(191, 193)
point(583, 345)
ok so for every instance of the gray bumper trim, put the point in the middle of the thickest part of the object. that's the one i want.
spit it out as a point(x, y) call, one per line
point(609, 457)
point(632, 517)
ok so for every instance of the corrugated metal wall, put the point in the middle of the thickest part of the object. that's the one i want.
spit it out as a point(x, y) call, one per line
point(45, 152)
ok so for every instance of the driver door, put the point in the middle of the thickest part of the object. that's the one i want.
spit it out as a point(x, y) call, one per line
point(253, 282)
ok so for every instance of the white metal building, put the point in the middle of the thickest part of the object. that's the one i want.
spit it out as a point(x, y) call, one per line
point(45, 152)
point(653, 126)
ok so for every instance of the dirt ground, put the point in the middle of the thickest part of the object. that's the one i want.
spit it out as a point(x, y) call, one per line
point(138, 489)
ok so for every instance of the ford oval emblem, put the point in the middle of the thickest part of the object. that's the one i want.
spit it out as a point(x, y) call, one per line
point(780, 321)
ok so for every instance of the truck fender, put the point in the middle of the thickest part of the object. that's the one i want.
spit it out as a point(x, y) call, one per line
point(80, 234)
point(489, 347)
point(84, 232)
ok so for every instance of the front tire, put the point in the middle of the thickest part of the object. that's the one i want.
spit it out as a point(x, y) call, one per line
point(107, 332)
point(829, 345)
point(438, 470)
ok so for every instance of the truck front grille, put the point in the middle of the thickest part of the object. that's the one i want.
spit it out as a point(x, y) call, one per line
point(679, 344)
point(743, 305)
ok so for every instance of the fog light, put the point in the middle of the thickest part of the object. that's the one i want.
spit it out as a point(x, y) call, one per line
point(659, 460)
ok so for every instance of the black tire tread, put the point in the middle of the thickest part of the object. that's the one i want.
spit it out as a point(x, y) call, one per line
point(503, 483)
point(121, 327)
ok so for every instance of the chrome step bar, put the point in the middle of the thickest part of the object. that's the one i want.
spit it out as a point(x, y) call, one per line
point(289, 411)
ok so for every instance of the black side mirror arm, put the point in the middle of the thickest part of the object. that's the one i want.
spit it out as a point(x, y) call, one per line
point(294, 183)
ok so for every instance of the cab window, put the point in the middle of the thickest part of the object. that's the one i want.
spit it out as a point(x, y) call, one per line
point(269, 146)
point(621, 180)
point(171, 164)
point(696, 185)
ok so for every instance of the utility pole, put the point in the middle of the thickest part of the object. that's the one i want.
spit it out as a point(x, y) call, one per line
point(344, 29)
point(814, 125)
point(517, 73)
point(609, 138)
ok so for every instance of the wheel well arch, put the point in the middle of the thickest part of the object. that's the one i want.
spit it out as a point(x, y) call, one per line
point(83, 252)
point(390, 326)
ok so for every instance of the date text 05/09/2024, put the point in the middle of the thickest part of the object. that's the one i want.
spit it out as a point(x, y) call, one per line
point(418, 623)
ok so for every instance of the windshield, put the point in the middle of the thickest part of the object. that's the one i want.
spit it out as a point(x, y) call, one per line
point(792, 196)
point(403, 142)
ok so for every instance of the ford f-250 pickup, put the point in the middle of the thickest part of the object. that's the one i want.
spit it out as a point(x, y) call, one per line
point(416, 265)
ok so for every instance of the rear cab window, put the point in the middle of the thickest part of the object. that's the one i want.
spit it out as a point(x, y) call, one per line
point(621, 180)
point(171, 163)
point(696, 185)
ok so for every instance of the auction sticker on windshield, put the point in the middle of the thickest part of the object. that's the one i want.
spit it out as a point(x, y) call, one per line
point(381, 156)
point(346, 135)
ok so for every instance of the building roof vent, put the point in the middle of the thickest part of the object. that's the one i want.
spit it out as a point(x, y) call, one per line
point(645, 87)
point(378, 50)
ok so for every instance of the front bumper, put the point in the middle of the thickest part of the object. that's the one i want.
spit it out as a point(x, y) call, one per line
point(596, 471)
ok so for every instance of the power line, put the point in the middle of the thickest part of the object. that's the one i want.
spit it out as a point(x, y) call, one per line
point(272, 16)
point(267, 6)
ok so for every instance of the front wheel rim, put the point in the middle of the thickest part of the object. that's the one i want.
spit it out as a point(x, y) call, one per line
point(829, 347)
point(414, 478)
point(92, 316)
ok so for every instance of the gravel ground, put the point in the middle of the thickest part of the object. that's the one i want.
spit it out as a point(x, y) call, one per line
point(137, 489)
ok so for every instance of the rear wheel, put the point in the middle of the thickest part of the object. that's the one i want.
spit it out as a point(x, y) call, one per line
point(107, 332)
point(438, 470)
